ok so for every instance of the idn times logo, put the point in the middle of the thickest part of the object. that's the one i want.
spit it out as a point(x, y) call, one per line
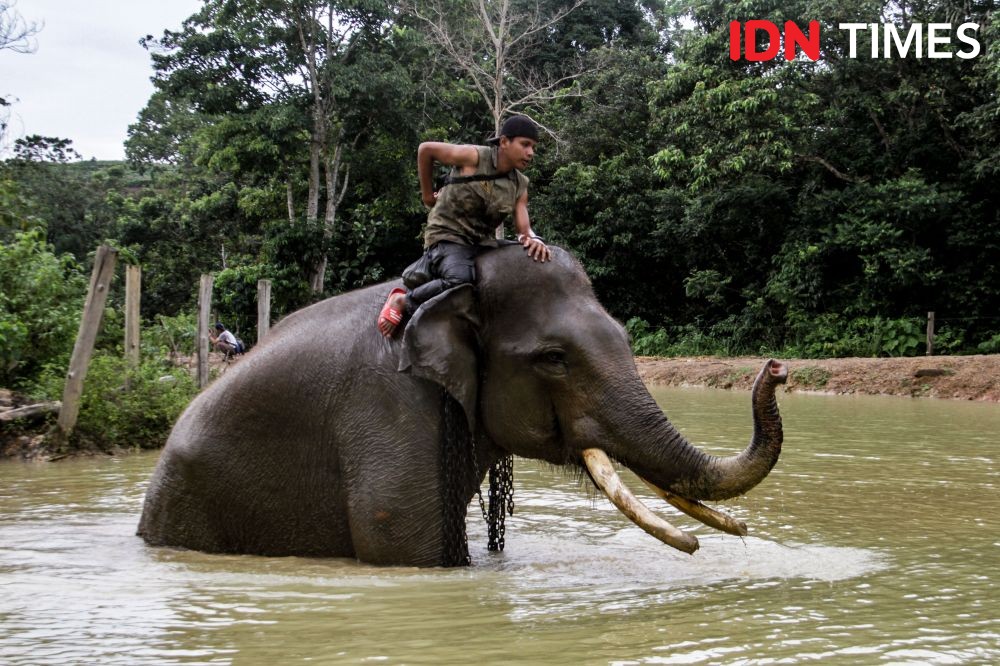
point(759, 40)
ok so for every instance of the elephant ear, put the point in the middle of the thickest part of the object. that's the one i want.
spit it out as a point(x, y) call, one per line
point(440, 343)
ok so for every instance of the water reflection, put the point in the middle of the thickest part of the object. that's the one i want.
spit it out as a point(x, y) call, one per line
point(874, 540)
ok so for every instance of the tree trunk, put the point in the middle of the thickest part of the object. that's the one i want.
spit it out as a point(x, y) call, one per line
point(315, 158)
point(318, 277)
point(336, 189)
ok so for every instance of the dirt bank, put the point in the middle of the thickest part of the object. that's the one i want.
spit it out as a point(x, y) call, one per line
point(953, 377)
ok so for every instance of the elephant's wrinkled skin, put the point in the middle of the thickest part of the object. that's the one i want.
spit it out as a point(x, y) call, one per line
point(317, 444)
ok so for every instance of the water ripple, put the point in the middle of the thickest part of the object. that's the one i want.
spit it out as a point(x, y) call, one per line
point(872, 541)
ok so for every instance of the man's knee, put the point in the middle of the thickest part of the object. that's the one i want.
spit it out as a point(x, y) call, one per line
point(458, 266)
point(457, 274)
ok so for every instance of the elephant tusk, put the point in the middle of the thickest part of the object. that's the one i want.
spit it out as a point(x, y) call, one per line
point(607, 480)
point(699, 511)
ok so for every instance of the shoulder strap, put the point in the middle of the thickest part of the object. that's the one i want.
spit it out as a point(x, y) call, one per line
point(458, 180)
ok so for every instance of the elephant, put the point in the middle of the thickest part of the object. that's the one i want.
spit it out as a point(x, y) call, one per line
point(326, 439)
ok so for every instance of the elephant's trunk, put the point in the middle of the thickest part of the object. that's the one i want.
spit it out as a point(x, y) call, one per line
point(661, 455)
point(690, 474)
point(735, 475)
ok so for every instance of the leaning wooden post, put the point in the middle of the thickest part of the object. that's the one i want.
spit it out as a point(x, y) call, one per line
point(133, 291)
point(263, 308)
point(930, 333)
point(204, 312)
point(90, 323)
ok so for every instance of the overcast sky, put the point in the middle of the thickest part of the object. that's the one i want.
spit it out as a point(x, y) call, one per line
point(89, 78)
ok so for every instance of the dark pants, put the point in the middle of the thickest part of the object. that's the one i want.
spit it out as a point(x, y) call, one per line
point(448, 265)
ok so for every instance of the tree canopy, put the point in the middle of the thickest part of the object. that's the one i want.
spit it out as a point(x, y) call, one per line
point(719, 205)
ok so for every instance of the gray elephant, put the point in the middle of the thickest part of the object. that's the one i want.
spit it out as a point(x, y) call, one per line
point(329, 440)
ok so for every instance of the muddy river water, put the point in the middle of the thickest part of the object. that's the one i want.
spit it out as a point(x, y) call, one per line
point(875, 540)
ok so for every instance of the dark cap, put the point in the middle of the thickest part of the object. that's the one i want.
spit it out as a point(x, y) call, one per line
point(219, 326)
point(516, 126)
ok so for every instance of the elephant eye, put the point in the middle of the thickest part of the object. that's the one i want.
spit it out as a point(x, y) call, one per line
point(552, 360)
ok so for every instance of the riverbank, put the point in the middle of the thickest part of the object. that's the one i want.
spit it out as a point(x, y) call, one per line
point(950, 377)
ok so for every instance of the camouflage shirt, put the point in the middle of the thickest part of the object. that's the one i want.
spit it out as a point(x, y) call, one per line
point(468, 213)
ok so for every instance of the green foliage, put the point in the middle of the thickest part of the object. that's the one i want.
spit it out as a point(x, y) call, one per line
point(174, 335)
point(37, 148)
point(677, 340)
point(644, 341)
point(112, 416)
point(950, 339)
point(828, 336)
point(290, 251)
point(235, 296)
point(833, 336)
point(77, 203)
point(838, 195)
point(41, 297)
point(16, 212)
point(813, 209)
point(990, 346)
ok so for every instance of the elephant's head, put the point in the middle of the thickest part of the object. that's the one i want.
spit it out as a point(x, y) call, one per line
point(543, 370)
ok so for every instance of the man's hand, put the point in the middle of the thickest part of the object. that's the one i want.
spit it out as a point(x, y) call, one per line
point(536, 248)
point(429, 199)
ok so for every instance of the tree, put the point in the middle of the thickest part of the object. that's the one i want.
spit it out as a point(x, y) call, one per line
point(598, 194)
point(492, 43)
point(40, 299)
point(15, 33)
point(838, 190)
point(283, 74)
point(64, 195)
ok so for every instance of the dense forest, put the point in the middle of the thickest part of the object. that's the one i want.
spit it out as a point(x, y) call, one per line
point(802, 208)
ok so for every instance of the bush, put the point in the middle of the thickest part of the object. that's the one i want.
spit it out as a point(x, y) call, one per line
point(825, 336)
point(830, 336)
point(645, 342)
point(175, 336)
point(685, 340)
point(41, 297)
point(990, 346)
point(236, 297)
point(111, 416)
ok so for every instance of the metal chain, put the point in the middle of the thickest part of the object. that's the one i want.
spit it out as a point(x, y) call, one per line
point(456, 458)
point(458, 465)
point(501, 496)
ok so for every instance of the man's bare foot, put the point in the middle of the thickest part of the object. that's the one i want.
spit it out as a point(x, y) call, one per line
point(392, 312)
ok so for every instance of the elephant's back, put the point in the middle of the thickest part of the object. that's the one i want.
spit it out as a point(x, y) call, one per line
point(308, 355)
point(264, 428)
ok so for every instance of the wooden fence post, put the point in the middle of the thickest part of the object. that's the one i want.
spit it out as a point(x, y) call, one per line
point(204, 312)
point(263, 308)
point(90, 323)
point(930, 333)
point(133, 294)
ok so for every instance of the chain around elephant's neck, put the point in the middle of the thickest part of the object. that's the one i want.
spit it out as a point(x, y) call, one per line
point(457, 459)
point(459, 468)
point(501, 502)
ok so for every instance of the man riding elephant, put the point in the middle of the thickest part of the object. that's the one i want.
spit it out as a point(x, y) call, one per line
point(485, 188)
point(330, 440)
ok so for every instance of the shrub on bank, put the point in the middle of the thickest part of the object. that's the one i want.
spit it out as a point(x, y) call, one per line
point(41, 295)
point(826, 336)
point(112, 416)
